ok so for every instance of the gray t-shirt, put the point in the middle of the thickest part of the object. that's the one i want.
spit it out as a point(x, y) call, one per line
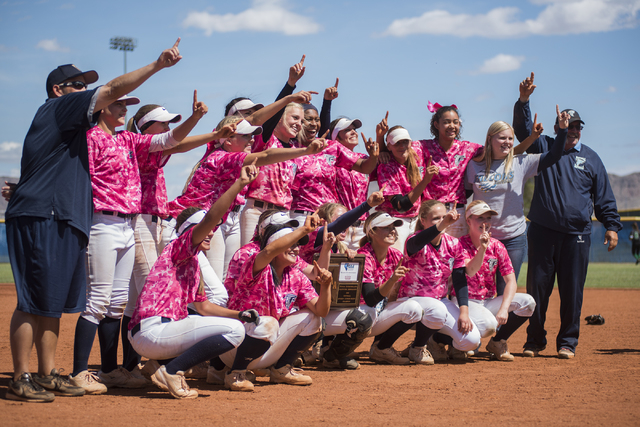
point(503, 192)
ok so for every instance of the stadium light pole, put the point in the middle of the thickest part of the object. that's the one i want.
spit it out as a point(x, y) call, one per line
point(125, 44)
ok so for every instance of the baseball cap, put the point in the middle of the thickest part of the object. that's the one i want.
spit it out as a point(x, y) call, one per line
point(66, 72)
point(192, 220)
point(159, 114)
point(382, 221)
point(278, 218)
point(573, 114)
point(398, 135)
point(343, 124)
point(244, 128)
point(244, 104)
point(479, 209)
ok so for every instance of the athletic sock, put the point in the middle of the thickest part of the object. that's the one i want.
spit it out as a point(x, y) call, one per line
point(202, 351)
point(217, 363)
point(422, 335)
point(295, 349)
point(109, 335)
point(392, 334)
point(441, 338)
point(130, 358)
point(82, 344)
point(250, 349)
point(513, 323)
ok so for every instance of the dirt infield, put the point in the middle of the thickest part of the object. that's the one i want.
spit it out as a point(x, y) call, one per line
point(600, 386)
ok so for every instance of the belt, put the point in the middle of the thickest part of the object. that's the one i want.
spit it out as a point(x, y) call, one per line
point(236, 208)
point(261, 204)
point(300, 211)
point(119, 214)
point(136, 328)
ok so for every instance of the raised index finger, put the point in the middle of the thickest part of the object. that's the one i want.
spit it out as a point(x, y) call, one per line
point(336, 85)
point(195, 96)
point(532, 77)
point(557, 110)
point(302, 60)
point(386, 116)
point(177, 42)
point(383, 187)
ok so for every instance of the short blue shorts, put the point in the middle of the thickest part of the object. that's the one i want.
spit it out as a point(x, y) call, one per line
point(48, 259)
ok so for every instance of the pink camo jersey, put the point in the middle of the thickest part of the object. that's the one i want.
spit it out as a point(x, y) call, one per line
point(173, 282)
point(214, 176)
point(315, 179)
point(377, 273)
point(154, 189)
point(483, 284)
point(113, 164)
point(353, 187)
point(260, 292)
point(394, 175)
point(273, 184)
point(448, 184)
point(430, 269)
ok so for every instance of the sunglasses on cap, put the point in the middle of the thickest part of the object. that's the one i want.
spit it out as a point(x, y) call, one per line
point(78, 85)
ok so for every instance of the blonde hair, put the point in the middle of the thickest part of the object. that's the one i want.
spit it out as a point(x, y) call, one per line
point(495, 128)
point(326, 211)
point(425, 209)
point(366, 239)
point(413, 172)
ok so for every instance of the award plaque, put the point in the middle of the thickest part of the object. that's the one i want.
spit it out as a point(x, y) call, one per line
point(347, 280)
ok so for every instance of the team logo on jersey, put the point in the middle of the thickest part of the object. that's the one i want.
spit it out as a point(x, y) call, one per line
point(458, 158)
point(421, 169)
point(492, 263)
point(331, 159)
point(294, 168)
point(289, 299)
point(580, 161)
point(130, 154)
point(451, 263)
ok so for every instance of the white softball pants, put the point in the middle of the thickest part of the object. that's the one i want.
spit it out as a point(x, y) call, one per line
point(213, 288)
point(483, 312)
point(407, 228)
point(225, 243)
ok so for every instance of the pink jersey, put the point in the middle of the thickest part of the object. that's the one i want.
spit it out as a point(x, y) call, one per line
point(430, 269)
point(309, 250)
point(315, 179)
point(377, 273)
point(262, 293)
point(394, 175)
point(212, 179)
point(154, 189)
point(273, 184)
point(353, 187)
point(448, 184)
point(113, 164)
point(172, 283)
point(483, 284)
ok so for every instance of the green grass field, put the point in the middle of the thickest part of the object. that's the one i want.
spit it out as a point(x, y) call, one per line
point(601, 275)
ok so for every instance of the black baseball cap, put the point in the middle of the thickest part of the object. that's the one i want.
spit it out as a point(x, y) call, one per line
point(573, 114)
point(66, 72)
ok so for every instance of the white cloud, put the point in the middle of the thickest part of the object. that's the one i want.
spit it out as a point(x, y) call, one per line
point(500, 63)
point(10, 151)
point(612, 89)
point(558, 17)
point(51, 46)
point(263, 16)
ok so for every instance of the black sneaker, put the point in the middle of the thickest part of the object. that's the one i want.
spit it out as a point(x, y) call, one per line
point(26, 390)
point(58, 385)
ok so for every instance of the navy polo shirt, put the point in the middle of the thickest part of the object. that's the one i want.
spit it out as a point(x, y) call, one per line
point(567, 193)
point(54, 170)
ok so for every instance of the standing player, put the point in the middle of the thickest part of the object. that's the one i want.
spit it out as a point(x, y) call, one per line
point(565, 197)
point(43, 211)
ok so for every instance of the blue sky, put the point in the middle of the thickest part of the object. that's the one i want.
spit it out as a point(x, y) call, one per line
point(392, 56)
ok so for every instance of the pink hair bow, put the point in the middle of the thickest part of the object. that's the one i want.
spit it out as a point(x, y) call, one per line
point(435, 107)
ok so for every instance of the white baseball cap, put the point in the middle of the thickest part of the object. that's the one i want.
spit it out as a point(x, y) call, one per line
point(398, 135)
point(192, 220)
point(479, 209)
point(382, 221)
point(244, 104)
point(278, 218)
point(243, 127)
point(343, 124)
point(159, 114)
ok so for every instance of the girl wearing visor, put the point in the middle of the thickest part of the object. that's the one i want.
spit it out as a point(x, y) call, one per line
point(403, 176)
point(486, 256)
point(270, 283)
point(117, 198)
point(161, 327)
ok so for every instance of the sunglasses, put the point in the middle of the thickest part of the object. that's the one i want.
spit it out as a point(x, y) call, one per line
point(78, 85)
point(576, 126)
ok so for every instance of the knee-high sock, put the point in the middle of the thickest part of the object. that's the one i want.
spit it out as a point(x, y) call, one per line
point(422, 335)
point(295, 349)
point(109, 335)
point(442, 338)
point(392, 334)
point(83, 341)
point(513, 323)
point(250, 349)
point(130, 358)
point(200, 352)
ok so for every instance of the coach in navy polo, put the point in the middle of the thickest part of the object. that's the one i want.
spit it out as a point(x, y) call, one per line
point(565, 197)
point(49, 217)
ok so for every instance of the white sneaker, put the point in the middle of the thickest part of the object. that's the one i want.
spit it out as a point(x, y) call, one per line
point(455, 354)
point(237, 381)
point(499, 350)
point(387, 355)
point(289, 375)
point(122, 378)
point(420, 355)
point(176, 384)
point(437, 350)
point(199, 372)
point(216, 377)
point(89, 381)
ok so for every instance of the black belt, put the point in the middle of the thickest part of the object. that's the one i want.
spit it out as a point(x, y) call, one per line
point(261, 204)
point(118, 214)
point(136, 328)
point(303, 212)
point(236, 208)
point(154, 218)
point(453, 205)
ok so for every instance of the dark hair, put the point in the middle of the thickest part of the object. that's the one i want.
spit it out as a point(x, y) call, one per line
point(333, 124)
point(142, 111)
point(233, 102)
point(438, 115)
point(185, 214)
point(269, 231)
point(366, 239)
